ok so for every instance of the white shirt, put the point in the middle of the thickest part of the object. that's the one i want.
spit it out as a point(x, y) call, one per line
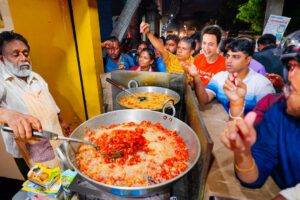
point(292, 193)
point(11, 89)
point(258, 86)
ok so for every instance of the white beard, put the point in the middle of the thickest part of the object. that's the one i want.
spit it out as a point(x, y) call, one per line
point(21, 70)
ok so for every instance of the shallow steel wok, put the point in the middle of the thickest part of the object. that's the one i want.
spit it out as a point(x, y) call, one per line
point(143, 89)
point(136, 115)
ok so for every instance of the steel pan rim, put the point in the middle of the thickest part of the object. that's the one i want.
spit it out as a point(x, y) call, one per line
point(143, 188)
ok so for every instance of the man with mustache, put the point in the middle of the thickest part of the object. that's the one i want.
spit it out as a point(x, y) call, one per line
point(116, 60)
point(239, 88)
point(26, 92)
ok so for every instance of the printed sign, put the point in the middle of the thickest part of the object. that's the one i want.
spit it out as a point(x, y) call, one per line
point(276, 25)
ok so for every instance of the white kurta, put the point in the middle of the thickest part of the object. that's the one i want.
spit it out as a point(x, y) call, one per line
point(11, 97)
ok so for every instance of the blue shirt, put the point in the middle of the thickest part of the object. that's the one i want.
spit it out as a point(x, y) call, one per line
point(126, 59)
point(258, 86)
point(276, 151)
point(160, 65)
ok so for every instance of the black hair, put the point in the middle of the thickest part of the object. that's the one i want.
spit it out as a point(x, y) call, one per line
point(150, 52)
point(163, 39)
point(242, 45)
point(8, 36)
point(114, 39)
point(196, 36)
point(249, 38)
point(143, 42)
point(291, 52)
point(173, 37)
point(267, 39)
point(152, 57)
point(224, 44)
point(189, 40)
point(213, 30)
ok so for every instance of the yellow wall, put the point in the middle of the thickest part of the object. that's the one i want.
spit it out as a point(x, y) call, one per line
point(88, 38)
point(47, 26)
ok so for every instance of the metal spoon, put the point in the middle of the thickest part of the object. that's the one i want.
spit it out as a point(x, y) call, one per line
point(121, 87)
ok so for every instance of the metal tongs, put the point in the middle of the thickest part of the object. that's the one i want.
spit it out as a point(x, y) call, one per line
point(121, 87)
point(53, 136)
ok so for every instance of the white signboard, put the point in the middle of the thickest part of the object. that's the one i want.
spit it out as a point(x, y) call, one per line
point(276, 25)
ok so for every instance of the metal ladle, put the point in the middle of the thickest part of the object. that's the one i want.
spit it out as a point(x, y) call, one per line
point(53, 136)
point(121, 87)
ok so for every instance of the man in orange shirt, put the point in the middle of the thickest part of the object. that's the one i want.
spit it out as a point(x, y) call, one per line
point(209, 62)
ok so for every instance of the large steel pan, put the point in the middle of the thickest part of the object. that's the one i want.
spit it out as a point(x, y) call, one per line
point(137, 89)
point(137, 115)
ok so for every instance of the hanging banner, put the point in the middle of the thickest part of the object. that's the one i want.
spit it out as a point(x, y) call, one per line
point(276, 25)
point(6, 23)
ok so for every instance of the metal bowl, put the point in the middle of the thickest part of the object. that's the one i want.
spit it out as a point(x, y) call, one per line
point(136, 115)
point(149, 89)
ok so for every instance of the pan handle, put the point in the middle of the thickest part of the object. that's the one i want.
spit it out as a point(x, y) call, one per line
point(121, 87)
point(169, 104)
point(134, 82)
point(114, 83)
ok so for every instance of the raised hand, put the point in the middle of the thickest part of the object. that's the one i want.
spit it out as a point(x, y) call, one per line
point(190, 68)
point(144, 28)
point(107, 44)
point(234, 88)
point(239, 135)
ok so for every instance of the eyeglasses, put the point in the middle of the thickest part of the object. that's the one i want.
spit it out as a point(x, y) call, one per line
point(292, 65)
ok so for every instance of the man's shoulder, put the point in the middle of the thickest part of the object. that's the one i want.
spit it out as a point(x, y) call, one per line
point(126, 56)
point(276, 111)
point(221, 74)
point(258, 78)
point(221, 58)
point(200, 59)
point(218, 79)
point(171, 56)
point(37, 76)
point(199, 56)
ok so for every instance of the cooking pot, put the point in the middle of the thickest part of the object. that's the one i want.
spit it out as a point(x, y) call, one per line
point(137, 89)
point(136, 115)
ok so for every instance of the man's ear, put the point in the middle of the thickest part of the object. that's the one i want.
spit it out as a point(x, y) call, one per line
point(249, 58)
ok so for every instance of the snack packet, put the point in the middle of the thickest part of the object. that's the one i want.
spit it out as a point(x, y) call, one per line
point(44, 176)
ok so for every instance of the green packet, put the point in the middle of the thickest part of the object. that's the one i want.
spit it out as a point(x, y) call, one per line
point(68, 177)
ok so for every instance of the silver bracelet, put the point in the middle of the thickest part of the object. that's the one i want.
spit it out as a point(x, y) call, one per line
point(238, 116)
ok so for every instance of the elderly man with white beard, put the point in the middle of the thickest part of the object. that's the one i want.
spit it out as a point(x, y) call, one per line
point(26, 92)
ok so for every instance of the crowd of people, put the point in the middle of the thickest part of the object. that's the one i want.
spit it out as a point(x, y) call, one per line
point(260, 90)
point(257, 83)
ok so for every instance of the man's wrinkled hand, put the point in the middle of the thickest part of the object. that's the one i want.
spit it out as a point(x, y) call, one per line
point(22, 125)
